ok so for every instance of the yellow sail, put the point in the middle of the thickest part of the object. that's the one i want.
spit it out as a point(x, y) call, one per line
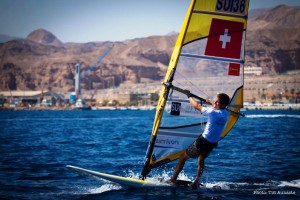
point(208, 58)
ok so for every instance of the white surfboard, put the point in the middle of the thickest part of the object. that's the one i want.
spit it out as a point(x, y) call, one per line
point(131, 182)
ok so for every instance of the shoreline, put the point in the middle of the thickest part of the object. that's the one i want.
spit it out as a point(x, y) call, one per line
point(271, 107)
point(152, 108)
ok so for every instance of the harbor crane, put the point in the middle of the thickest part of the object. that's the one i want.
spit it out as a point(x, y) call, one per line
point(91, 69)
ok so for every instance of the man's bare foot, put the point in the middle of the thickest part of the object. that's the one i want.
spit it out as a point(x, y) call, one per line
point(194, 185)
point(171, 181)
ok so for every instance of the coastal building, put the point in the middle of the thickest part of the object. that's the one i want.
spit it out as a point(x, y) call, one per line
point(272, 88)
point(282, 89)
point(28, 98)
point(250, 70)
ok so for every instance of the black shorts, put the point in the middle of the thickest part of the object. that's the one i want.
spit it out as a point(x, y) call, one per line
point(200, 147)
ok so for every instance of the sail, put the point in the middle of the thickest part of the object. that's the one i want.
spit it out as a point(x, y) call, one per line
point(208, 58)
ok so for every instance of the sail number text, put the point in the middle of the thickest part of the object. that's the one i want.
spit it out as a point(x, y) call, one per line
point(233, 6)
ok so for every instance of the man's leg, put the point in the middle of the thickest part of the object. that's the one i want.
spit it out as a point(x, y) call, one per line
point(200, 170)
point(179, 166)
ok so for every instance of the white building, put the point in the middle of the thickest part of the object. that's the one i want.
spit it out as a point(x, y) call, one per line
point(249, 70)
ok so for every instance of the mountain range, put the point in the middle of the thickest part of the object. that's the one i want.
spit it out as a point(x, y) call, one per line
point(42, 61)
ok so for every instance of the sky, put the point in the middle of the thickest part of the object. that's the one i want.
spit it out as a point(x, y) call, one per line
point(101, 20)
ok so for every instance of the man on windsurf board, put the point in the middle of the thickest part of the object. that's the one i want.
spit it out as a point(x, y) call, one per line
point(208, 140)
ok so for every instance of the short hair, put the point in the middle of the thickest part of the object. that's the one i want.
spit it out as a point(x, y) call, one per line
point(223, 99)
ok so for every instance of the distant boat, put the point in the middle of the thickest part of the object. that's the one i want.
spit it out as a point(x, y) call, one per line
point(80, 105)
point(133, 108)
point(147, 107)
point(122, 108)
point(103, 108)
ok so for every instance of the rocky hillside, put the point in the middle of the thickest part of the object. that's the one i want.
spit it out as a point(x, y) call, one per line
point(273, 40)
point(42, 61)
point(29, 65)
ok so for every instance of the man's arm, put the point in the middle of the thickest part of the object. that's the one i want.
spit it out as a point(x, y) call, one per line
point(209, 102)
point(195, 104)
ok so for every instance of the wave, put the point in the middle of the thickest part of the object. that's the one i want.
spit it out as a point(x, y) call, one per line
point(294, 183)
point(273, 116)
point(166, 175)
point(217, 185)
point(220, 186)
point(104, 188)
point(252, 186)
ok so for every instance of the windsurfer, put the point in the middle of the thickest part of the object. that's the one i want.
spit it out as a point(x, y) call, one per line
point(205, 143)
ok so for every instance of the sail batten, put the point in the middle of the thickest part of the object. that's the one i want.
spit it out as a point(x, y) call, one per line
point(221, 14)
point(208, 58)
point(213, 58)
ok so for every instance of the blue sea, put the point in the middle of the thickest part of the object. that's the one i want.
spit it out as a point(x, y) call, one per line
point(258, 159)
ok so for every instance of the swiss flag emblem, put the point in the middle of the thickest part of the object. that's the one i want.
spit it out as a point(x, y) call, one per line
point(225, 39)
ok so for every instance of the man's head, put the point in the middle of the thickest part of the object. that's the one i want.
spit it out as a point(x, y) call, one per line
point(222, 101)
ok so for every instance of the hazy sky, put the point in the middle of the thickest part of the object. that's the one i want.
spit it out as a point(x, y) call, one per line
point(100, 20)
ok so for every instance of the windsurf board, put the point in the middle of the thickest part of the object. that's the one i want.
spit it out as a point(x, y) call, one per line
point(128, 181)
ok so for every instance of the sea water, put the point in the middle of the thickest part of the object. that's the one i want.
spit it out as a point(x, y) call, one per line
point(258, 159)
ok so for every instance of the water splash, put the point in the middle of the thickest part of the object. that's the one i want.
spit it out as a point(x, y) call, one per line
point(294, 183)
point(104, 188)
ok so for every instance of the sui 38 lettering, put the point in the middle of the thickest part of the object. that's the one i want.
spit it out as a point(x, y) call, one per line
point(233, 6)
